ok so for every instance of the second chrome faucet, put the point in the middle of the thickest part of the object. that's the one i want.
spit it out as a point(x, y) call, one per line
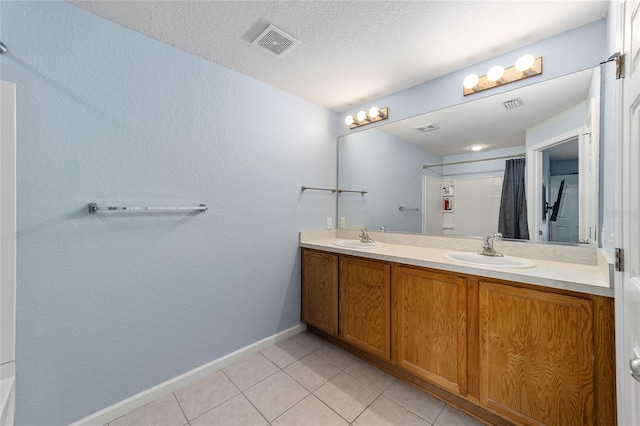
point(364, 236)
point(487, 247)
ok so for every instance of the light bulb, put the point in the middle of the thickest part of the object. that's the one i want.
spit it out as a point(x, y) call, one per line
point(470, 81)
point(361, 116)
point(525, 62)
point(374, 112)
point(348, 120)
point(476, 147)
point(495, 73)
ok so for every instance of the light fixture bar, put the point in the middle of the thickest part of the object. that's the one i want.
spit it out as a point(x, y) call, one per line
point(383, 114)
point(511, 75)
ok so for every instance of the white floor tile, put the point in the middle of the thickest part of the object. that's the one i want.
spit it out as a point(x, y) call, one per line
point(275, 395)
point(414, 400)
point(312, 371)
point(384, 412)
point(162, 412)
point(346, 395)
point(237, 411)
point(452, 417)
point(309, 341)
point(336, 356)
point(251, 370)
point(310, 412)
point(278, 391)
point(285, 353)
point(205, 394)
point(370, 375)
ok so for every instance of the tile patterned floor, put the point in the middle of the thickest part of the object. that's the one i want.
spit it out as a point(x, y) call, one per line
point(298, 382)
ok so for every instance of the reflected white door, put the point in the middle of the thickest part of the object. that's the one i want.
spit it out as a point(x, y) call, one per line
point(628, 223)
point(566, 227)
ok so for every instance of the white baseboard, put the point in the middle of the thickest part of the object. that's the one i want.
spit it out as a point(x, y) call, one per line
point(123, 407)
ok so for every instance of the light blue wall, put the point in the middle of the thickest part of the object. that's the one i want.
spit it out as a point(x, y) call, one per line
point(480, 168)
point(564, 167)
point(571, 51)
point(110, 305)
point(390, 169)
point(571, 119)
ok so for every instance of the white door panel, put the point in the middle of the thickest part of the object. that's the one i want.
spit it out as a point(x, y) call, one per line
point(627, 282)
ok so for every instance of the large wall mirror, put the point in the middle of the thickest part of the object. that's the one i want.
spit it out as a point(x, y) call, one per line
point(421, 175)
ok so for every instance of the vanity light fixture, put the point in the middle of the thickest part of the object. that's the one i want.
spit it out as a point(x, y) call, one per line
point(470, 81)
point(495, 73)
point(363, 118)
point(526, 66)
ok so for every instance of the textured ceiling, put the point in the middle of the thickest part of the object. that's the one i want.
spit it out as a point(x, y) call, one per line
point(350, 51)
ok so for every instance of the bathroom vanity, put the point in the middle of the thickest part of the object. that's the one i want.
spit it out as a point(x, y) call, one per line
point(524, 346)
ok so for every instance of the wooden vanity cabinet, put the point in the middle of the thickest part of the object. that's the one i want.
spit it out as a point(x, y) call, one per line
point(509, 353)
point(319, 306)
point(365, 305)
point(536, 355)
point(430, 326)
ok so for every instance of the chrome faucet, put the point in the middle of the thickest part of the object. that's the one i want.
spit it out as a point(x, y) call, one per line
point(487, 247)
point(364, 236)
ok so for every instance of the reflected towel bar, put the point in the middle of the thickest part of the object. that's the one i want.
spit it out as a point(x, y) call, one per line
point(304, 188)
point(339, 191)
point(408, 209)
point(94, 208)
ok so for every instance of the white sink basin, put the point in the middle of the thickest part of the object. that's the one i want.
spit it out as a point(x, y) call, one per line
point(475, 259)
point(358, 244)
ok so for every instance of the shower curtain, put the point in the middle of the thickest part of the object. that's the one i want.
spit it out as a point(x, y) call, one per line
point(512, 222)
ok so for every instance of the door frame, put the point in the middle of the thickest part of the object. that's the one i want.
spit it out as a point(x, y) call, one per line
point(534, 181)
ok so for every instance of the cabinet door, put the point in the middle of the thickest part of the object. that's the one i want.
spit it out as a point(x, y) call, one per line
point(431, 330)
point(365, 305)
point(536, 355)
point(320, 290)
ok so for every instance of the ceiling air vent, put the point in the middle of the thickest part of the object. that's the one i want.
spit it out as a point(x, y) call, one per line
point(275, 41)
point(513, 103)
point(427, 127)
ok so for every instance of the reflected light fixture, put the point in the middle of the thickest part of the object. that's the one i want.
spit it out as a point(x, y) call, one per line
point(470, 81)
point(524, 63)
point(477, 147)
point(495, 73)
point(526, 66)
point(362, 118)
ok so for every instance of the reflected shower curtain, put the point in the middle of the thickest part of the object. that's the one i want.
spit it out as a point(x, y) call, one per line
point(512, 222)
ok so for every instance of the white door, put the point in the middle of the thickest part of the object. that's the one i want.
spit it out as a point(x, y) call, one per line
point(628, 222)
point(566, 227)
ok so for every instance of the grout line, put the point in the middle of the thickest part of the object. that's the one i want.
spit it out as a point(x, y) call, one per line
point(245, 397)
point(180, 406)
point(439, 413)
point(256, 408)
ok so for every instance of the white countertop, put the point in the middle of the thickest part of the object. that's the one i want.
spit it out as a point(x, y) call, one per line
point(590, 279)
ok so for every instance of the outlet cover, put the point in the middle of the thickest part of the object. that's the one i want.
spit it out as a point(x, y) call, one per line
point(329, 223)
